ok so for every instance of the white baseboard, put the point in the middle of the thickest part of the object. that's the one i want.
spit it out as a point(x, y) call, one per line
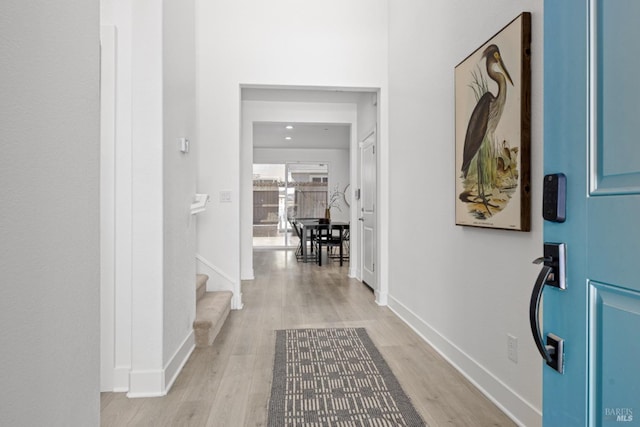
point(249, 274)
point(236, 302)
point(152, 383)
point(512, 404)
point(121, 379)
point(180, 357)
point(146, 383)
point(382, 298)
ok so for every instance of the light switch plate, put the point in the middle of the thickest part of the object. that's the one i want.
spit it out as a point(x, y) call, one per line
point(184, 145)
point(225, 196)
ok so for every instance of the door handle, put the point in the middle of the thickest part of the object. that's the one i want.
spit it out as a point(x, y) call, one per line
point(534, 311)
point(552, 274)
point(361, 219)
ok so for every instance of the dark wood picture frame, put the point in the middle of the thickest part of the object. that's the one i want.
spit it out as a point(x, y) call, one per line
point(493, 131)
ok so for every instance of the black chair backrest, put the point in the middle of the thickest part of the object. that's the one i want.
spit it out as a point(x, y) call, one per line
point(295, 227)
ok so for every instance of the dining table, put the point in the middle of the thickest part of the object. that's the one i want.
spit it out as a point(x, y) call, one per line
point(310, 227)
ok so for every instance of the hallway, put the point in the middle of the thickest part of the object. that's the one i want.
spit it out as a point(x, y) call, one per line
point(228, 384)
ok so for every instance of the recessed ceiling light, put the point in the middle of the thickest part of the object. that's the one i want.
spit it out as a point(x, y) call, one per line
point(288, 127)
point(288, 138)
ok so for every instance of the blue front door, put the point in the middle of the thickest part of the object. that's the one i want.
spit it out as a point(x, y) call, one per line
point(592, 135)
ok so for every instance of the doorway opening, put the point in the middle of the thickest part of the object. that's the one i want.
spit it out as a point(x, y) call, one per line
point(293, 125)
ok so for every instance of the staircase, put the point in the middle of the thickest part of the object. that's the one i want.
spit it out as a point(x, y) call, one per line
point(212, 309)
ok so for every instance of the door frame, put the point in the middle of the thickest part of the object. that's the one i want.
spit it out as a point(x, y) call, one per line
point(382, 191)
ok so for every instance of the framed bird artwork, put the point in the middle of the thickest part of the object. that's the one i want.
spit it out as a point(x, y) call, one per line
point(492, 135)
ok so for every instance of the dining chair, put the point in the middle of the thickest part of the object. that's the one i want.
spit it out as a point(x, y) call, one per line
point(345, 247)
point(326, 236)
point(299, 252)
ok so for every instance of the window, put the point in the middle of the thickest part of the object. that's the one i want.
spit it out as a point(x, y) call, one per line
point(282, 192)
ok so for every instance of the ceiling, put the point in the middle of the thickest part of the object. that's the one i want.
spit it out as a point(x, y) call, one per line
point(303, 135)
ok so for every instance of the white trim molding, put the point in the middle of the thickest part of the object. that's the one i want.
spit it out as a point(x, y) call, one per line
point(153, 383)
point(108, 71)
point(121, 379)
point(382, 298)
point(179, 359)
point(146, 383)
point(219, 281)
point(513, 405)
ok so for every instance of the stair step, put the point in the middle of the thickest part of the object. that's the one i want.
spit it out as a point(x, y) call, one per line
point(211, 312)
point(201, 285)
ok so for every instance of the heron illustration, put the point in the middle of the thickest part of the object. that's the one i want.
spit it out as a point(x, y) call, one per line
point(484, 121)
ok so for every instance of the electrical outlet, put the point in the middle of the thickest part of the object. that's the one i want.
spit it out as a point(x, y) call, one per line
point(512, 348)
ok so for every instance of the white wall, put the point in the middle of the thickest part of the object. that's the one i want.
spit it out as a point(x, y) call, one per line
point(179, 180)
point(146, 376)
point(154, 285)
point(49, 214)
point(251, 42)
point(464, 289)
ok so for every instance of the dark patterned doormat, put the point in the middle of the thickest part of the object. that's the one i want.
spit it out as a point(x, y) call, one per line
point(335, 377)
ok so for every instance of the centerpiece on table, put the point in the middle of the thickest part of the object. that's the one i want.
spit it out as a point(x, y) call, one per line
point(333, 202)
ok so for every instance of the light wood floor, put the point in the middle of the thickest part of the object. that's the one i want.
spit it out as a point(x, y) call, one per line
point(229, 383)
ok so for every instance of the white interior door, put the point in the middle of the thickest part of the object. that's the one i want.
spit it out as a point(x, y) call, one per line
point(368, 210)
